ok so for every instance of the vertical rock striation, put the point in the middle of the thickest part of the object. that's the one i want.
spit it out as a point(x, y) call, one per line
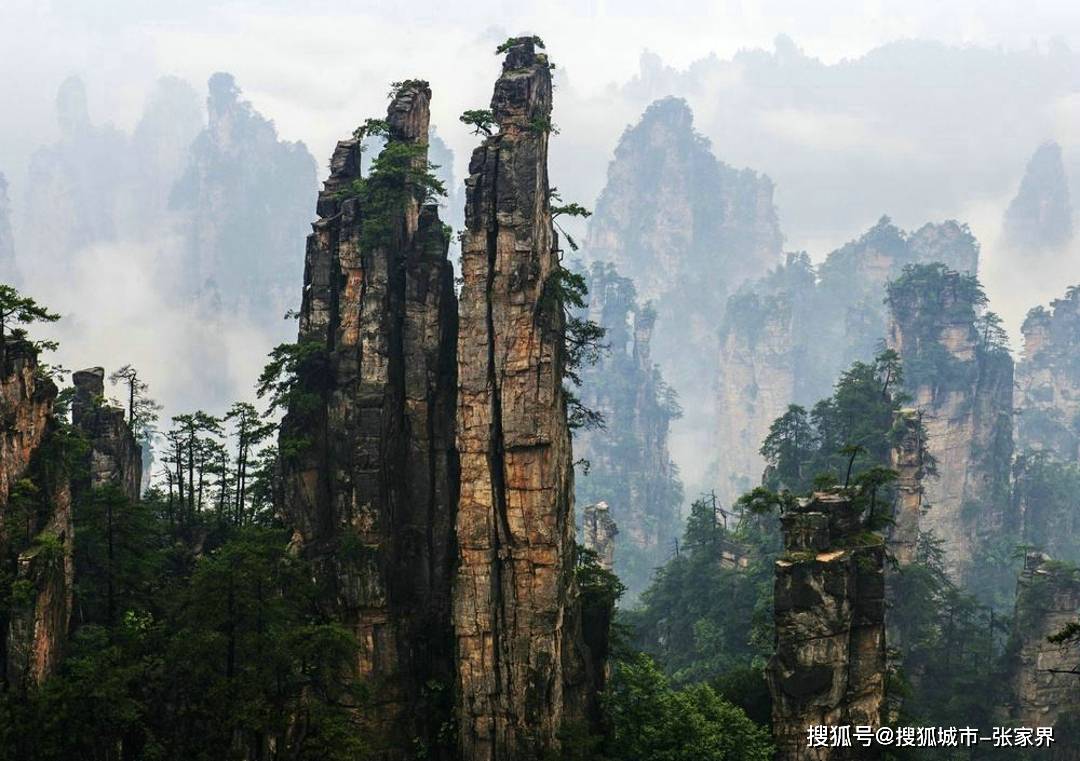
point(1048, 379)
point(962, 383)
point(786, 337)
point(688, 230)
point(520, 664)
point(908, 459)
point(114, 456)
point(599, 531)
point(1047, 598)
point(36, 528)
point(829, 665)
point(369, 468)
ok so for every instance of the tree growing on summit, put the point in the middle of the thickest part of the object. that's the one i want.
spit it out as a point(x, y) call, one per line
point(511, 41)
point(142, 410)
point(16, 309)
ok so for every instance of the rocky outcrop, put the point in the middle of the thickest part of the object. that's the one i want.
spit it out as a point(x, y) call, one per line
point(36, 527)
point(521, 665)
point(688, 230)
point(629, 464)
point(785, 338)
point(243, 194)
point(961, 381)
point(1044, 683)
point(114, 456)
point(1048, 379)
point(7, 239)
point(97, 184)
point(599, 531)
point(829, 664)
point(369, 472)
point(1040, 215)
point(908, 459)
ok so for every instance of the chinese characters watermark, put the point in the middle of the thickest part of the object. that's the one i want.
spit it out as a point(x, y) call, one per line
point(846, 736)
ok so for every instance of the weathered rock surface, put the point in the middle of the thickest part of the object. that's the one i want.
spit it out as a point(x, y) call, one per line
point(372, 489)
point(599, 531)
point(963, 388)
point(522, 670)
point(1040, 215)
point(114, 456)
point(829, 664)
point(629, 464)
point(1048, 379)
point(36, 529)
point(908, 459)
point(688, 230)
point(1047, 598)
point(786, 338)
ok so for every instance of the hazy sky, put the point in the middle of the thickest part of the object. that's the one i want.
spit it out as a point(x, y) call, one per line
point(841, 151)
point(317, 66)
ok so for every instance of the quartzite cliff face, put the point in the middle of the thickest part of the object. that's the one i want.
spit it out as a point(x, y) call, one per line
point(520, 666)
point(785, 338)
point(829, 665)
point(629, 465)
point(688, 230)
point(1047, 599)
point(1048, 379)
point(372, 487)
point(36, 535)
point(961, 382)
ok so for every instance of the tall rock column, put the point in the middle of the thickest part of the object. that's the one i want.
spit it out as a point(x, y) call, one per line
point(114, 456)
point(36, 527)
point(1044, 687)
point(908, 459)
point(514, 593)
point(369, 469)
point(829, 665)
point(961, 380)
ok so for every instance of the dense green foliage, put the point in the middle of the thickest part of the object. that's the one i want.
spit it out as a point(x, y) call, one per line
point(184, 652)
point(18, 310)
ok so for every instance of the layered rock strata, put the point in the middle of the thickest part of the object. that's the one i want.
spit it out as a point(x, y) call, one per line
point(521, 667)
point(963, 387)
point(369, 469)
point(36, 526)
point(1048, 379)
point(114, 456)
point(829, 664)
point(1044, 681)
point(599, 531)
point(908, 459)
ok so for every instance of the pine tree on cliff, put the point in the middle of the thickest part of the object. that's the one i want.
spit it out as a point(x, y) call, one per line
point(523, 672)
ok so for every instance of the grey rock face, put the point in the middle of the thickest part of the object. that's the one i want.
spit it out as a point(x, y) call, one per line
point(829, 664)
point(244, 193)
point(115, 457)
point(786, 338)
point(1040, 215)
point(1047, 598)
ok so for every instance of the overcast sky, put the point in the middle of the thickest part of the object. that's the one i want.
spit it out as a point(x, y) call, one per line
point(316, 66)
point(841, 149)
